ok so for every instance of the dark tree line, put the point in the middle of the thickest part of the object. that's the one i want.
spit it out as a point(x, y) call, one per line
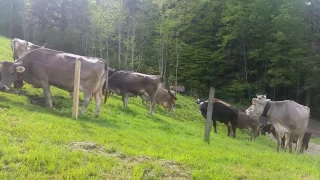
point(239, 47)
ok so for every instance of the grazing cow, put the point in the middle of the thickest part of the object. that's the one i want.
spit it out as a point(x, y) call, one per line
point(221, 112)
point(21, 47)
point(124, 82)
point(247, 122)
point(165, 98)
point(44, 67)
point(270, 129)
point(288, 117)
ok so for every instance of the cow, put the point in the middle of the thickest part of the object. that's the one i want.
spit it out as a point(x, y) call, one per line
point(124, 82)
point(270, 129)
point(222, 112)
point(288, 118)
point(45, 67)
point(248, 122)
point(165, 98)
point(21, 47)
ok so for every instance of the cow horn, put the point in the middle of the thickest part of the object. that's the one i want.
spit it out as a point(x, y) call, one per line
point(18, 63)
point(44, 45)
point(172, 95)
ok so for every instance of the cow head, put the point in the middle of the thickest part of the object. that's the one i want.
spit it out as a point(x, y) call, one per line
point(267, 129)
point(172, 94)
point(257, 107)
point(261, 96)
point(111, 71)
point(9, 73)
point(202, 105)
point(21, 47)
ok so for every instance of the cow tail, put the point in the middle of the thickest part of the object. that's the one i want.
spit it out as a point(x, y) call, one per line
point(106, 83)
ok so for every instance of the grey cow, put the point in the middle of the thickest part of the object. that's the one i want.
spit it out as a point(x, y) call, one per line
point(21, 47)
point(45, 67)
point(124, 82)
point(288, 118)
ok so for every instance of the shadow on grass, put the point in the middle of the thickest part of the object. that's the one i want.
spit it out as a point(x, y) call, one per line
point(40, 101)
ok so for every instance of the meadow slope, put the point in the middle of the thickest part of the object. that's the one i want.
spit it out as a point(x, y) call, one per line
point(40, 143)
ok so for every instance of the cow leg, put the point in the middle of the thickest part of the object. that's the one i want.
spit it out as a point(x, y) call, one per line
point(288, 141)
point(278, 137)
point(174, 111)
point(47, 95)
point(152, 104)
point(125, 99)
point(299, 143)
point(234, 128)
point(215, 126)
point(87, 99)
point(98, 99)
point(229, 127)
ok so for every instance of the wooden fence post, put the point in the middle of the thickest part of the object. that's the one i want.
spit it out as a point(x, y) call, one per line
point(209, 115)
point(76, 90)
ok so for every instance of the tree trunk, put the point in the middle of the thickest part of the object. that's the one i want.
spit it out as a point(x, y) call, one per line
point(63, 19)
point(119, 45)
point(10, 21)
point(165, 68)
point(308, 95)
point(133, 44)
point(178, 50)
point(108, 51)
point(245, 63)
point(265, 76)
point(298, 88)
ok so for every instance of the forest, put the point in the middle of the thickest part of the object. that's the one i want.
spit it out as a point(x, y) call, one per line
point(239, 47)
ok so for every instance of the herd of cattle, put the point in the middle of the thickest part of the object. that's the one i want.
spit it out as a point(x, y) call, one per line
point(286, 120)
point(43, 67)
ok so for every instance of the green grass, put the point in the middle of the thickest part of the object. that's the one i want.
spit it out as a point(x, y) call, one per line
point(36, 143)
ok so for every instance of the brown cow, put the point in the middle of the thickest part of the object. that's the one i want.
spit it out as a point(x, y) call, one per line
point(124, 82)
point(45, 67)
point(165, 98)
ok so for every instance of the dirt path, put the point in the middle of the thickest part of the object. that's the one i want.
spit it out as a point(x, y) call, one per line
point(312, 147)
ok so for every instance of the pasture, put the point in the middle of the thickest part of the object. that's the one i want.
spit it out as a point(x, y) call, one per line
point(40, 143)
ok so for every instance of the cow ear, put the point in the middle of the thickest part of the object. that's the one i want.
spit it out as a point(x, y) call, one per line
point(268, 99)
point(20, 69)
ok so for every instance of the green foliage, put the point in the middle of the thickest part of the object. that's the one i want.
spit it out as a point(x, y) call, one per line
point(270, 46)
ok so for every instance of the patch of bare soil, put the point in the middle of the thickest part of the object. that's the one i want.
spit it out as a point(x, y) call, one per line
point(172, 170)
point(312, 147)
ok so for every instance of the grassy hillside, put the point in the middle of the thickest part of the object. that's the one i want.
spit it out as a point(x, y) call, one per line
point(40, 143)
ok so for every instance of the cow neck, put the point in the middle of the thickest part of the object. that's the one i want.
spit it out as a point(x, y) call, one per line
point(266, 109)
